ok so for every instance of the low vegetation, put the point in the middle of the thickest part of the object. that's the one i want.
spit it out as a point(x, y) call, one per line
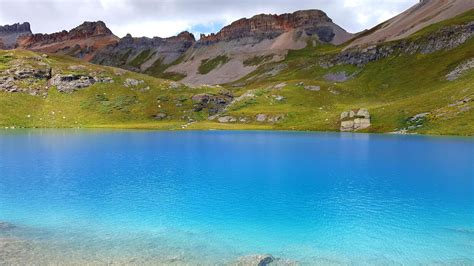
point(207, 65)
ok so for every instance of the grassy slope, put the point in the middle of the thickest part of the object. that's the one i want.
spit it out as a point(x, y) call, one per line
point(393, 89)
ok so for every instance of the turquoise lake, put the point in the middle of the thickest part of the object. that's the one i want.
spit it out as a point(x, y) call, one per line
point(211, 197)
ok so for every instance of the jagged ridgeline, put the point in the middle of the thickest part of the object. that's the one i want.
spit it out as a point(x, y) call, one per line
point(301, 71)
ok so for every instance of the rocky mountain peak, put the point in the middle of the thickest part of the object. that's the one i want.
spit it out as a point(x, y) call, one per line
point(90, 29)
point(10, 33)
point(186, 36)
point(266, 25)
point(15, 28)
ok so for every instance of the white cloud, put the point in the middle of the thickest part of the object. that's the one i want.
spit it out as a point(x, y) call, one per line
point(168, 17)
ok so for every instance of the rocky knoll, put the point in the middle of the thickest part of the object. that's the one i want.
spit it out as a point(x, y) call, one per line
point(213, 103)
point(354, 120)
point(263, 26)
point(140, 54)
point(82, 41)
point(446, 38)
point(10, 33)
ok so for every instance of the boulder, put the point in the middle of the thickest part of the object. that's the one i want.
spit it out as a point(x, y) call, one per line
point(257, 260)
point(361, 123)
point(344, 115)
point(132, 82)
point(227, 119)
point(347, 125)
point(261, 117)
point(4, 226)
point(278, 98)
point(364, 113)
point(355, 120)
point(160, 116)
point(274, 119)
point(312, 88)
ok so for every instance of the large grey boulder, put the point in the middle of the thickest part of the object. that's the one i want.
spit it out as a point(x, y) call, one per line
point(355, 120)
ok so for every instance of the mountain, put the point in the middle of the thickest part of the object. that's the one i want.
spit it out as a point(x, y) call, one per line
point(270, 36)
point(9, 34)
point(145, 54)
point(82, 42)
point(238, 49)
point(421, 15)
point(294, 71)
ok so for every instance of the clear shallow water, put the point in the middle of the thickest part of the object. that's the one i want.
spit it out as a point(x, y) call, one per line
point(211, 197)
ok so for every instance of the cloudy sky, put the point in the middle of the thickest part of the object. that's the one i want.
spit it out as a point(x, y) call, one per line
point(168, 17)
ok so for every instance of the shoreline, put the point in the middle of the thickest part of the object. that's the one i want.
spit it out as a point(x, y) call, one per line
point(223, 127)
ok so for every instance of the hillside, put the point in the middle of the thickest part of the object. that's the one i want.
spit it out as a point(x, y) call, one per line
point(419, 84)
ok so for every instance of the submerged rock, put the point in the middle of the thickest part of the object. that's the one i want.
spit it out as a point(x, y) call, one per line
point(257, 260)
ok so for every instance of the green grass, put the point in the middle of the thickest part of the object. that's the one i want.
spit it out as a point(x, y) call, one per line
point(158, 70)
point(207, 65)
point(141, 58)
point(257, 60)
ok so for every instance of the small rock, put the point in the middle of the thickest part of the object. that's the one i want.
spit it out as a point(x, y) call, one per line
point(132, 82)
point(175, 85)
point(312, 88)
point(280, 86)
point(160, 116)
point(278, 98)
point(261, 117)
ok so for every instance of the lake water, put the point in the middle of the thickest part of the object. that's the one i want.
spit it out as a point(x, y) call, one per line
point(92, 196)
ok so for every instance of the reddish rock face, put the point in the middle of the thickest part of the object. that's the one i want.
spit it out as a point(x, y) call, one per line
point(268, 25)
point(84, 31)
point(82, 42)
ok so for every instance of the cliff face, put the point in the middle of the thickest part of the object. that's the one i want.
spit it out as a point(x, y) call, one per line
point(270, 26)
point(84, 31)
point(139, 54)
point(83, 41)
point(10, 33)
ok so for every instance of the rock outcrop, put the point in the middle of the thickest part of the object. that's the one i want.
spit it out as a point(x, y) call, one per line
point(421, 15)
point(14, 79)
point(213, 103)
point(459, 70)
point(71, 83)
point(9, 34)
point(355, 120)
point(447, 38)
